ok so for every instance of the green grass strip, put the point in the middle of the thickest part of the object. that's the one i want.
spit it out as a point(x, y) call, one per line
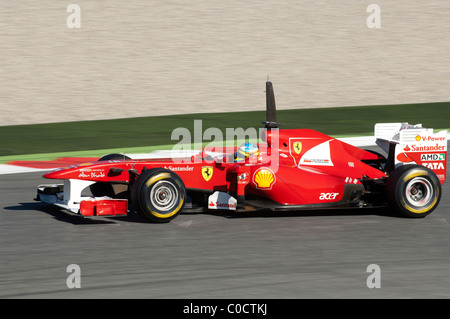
point(144, 132)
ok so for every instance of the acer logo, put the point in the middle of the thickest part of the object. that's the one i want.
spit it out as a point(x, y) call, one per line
point(328, 196)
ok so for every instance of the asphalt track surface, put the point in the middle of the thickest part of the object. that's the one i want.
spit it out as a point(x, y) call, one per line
point(293, 255)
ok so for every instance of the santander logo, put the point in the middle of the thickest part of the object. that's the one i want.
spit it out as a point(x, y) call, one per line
point(222, 205)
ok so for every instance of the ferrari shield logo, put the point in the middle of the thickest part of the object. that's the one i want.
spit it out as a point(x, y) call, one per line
point(297, 147)
point(207, 172)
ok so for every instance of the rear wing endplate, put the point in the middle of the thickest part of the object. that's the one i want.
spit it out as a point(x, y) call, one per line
point(413, 144)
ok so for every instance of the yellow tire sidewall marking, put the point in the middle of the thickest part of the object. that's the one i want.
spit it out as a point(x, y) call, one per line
point(153, 180)
point(409, 177)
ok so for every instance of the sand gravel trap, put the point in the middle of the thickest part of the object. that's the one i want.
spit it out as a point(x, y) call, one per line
point(141, 58)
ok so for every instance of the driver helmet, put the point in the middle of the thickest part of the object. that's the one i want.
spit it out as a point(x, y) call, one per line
point(246, 151)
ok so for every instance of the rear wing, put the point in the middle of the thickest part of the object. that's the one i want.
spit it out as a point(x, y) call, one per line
point(412, 144)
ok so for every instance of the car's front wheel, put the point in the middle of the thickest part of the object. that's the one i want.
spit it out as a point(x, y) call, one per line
point(158, 195)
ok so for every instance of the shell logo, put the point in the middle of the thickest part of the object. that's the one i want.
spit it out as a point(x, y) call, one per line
point(418, 138)
point(264, 178)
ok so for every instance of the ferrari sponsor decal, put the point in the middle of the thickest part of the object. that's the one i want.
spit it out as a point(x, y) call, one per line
point(430, 138)
point(316, 161)
point(432, 157)
point(207, 172)
point(243, 178)
point(264, 178)
point(318, 156)
point(180, 168)
point(435, 160)
point(328, 196)
point(434, 165)
point(297, 146)
point(221, 200)
point(350, 180)
point(219, 205)
point(424, 148)
point(91, 173)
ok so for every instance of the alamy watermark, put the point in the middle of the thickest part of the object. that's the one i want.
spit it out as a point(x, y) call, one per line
point(374, 279)
point(73, 21)
point(74, 279)
point(374, 19)
point(220, 146)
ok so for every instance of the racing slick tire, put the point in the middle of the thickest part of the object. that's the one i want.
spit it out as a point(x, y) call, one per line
point(413, 190)
point(113, 190)
point(158, 195)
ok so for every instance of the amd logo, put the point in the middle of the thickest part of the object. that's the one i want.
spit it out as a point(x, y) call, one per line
point(432, 157)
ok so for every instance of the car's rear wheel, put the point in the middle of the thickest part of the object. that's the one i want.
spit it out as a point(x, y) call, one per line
point(158, 195)
point(413, 190)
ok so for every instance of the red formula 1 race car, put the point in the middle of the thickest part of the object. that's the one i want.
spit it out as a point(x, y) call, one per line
point(291, 169)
